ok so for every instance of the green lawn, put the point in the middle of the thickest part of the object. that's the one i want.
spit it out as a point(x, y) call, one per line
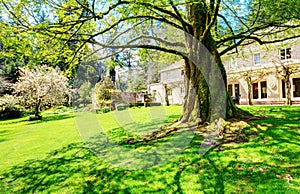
point(49, 156)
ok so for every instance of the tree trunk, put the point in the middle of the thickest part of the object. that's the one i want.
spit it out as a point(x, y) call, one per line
point(206, 97)
point(166, 95)
point(288, 100)
point(202, 100)
point(37, 108)
point(249, 84)
point(112, 74)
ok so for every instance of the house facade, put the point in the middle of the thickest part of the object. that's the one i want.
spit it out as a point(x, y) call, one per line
point(171, 86)
point(256, 73)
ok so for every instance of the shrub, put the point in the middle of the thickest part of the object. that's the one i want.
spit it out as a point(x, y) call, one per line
point(106, 93)
point(61, 109)
point(136, 104)
point(98, 111)
point(122, 107)
point(155, 104)
point(106, 109)
point(9, 109)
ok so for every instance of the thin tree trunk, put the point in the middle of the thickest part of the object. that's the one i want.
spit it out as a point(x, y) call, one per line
point(166, 95)
point(37, 108)
point(288, 100)
point(249, 84)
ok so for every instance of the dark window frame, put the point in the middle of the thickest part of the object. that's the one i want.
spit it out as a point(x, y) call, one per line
point(285, 53)
point(229, 88)
point(263, 94)
point(296, 92)
point(255, 90)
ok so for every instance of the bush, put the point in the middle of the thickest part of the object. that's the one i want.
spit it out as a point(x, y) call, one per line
point(9, 109)
point(155, 104)
point(136, 104)
point(106, 109)
point(61, 109)
point(98, 111)
point(122, 107)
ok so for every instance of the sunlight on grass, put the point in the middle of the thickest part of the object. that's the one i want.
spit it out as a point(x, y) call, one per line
point(137, 121)
point(21, 140)
point(48, 157)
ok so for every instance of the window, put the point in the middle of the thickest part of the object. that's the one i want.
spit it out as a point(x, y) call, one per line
point(255, 90)
point(259, 90)
point(256, 58)
point(263, 89)
point(236, 90)
point(230, 89)
point(182, 72)
point(181, 91)
point(283, 88)
point(296, 87)
point(233, 64)
point(285, 53)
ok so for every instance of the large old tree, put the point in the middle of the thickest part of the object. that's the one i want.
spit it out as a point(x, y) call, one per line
point(172, 26)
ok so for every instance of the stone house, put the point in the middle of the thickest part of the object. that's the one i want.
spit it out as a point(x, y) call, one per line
point(171, 85)
point(256, 72)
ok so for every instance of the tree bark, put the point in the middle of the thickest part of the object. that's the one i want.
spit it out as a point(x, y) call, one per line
point(204, 93)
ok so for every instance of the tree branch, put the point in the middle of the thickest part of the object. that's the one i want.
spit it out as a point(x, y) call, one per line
point(184, 24)
point(212, 20)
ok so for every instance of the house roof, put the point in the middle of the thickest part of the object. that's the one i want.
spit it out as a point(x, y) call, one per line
point(176, 65)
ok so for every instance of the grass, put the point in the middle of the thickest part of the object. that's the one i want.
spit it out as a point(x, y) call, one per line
point(49, 157)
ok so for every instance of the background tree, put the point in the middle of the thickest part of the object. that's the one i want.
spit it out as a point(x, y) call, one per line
point(85, 93)
point(105, 92)
point(21, 46)
point(41, 86)
point(137, 81)
point(220, 26)
point(4, 85)
point(153, 61)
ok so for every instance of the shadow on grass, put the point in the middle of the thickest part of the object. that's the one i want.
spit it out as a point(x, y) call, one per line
point(4, 133)
point(76, 169)
point(52, 117)
point(134, 131)
point(261, 165)
point(46, 118)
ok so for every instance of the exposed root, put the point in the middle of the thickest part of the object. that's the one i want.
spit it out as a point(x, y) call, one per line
point(163, 132)
point(233, 130)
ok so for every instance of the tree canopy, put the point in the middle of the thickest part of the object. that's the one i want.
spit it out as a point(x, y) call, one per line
point(231, 23)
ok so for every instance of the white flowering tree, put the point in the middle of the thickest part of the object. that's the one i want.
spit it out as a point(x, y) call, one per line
point(41, 86)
